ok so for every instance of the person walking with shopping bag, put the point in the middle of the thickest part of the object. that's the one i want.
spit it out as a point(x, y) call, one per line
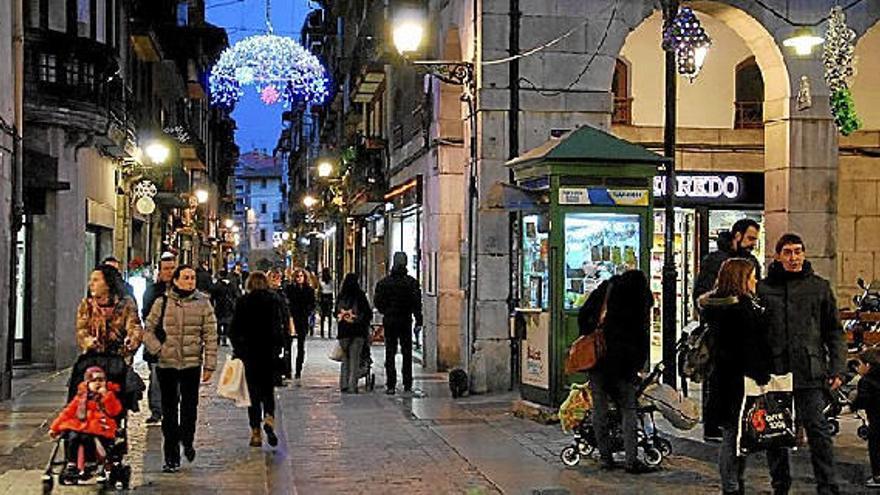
point(354, 314)
point(740, 349)
point(807, 340)
point(301, 301)
point(257, 335)
point(185, 340)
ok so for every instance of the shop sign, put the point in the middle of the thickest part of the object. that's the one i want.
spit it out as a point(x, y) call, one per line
point(602, 196)
point(535, 353)
point(728, 188)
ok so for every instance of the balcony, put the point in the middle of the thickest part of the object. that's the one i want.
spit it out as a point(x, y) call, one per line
point(749, 115)
point(622, 110)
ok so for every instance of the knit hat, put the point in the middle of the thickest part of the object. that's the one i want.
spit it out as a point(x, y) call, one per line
point(93, 373)
point(399, 259)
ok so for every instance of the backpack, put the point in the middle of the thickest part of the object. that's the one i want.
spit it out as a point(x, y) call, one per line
point(698, 364)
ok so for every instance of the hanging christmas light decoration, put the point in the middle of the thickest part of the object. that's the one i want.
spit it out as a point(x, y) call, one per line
point(839, 71)
point(279, 67)
point(685, 36)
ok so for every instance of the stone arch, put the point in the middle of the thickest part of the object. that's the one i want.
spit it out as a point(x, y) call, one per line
point(866, 83)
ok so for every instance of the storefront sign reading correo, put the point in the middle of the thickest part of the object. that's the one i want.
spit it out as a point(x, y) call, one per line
point(727, 187)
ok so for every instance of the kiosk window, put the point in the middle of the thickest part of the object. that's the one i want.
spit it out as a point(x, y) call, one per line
point(597, 246)
point(536, 261)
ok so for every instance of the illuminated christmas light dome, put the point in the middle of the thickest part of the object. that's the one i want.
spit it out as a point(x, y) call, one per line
point(278, 67)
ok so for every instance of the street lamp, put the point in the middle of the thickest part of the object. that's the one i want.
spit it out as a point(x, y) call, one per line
point(228, 223)
point(157, 152)
point(325, 169)
point(803, 40)
point(235, 229)
point(309, 201)
point(202, 195)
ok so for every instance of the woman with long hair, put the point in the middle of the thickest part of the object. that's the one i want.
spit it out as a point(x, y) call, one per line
point(257, 334)
point(739, 348)
point(354, 314)
point(301, 301)
point(107, 318)
point(182, 332)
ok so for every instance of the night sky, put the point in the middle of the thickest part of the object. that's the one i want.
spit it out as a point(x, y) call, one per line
point(258, 125)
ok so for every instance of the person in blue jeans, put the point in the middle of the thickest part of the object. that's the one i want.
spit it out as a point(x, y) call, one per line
point(806, 339)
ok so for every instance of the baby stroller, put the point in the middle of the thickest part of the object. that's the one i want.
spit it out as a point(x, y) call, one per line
point(111, 469)
point(655, 447)
point(837, 400)
point(366, 367)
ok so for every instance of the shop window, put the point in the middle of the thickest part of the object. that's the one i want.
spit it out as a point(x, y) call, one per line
point(749, 105)
point(263, 208)
point(620, 89)
point(597, 246)
point(536, 261)
point(47, 70)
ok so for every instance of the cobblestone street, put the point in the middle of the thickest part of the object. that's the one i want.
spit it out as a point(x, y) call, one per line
point(373, 443)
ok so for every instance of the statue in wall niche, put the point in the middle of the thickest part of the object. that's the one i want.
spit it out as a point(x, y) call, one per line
point(804, 95)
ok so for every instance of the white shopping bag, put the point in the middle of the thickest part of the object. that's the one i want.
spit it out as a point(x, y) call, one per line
point(232, 384)
point(336, 354)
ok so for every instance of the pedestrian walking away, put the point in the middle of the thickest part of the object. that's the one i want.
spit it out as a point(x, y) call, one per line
point(399, 298)
point(740, 349)
point(112, 261)
point(624, 316)
point(223, 296)
point(326, 302)
point(185, 340)
point(807, 340)
point(353, 328)
point(301, 300)
point(283, 359)
point(739, 242)
point(258, 334)
point(204, 278)
point(868, 399)
point(167, 265)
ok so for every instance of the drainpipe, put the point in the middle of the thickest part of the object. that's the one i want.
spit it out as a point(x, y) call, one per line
point(17, 206)
point(513, 152)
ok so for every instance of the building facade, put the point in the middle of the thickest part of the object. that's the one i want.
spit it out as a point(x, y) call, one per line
point(260, 209)
point(103, 80)
point(741, 124)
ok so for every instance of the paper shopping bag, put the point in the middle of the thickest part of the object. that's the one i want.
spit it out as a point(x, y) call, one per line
point(232, 384)
point(767, 416)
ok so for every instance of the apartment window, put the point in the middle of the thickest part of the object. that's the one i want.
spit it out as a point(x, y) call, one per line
point(749, 105)
point(263, 183)
point(262, 235)
point(262, 207)
point(620, 89)
point(47, 67)
point(84, 18)
point(183, 13)
point(71, 71)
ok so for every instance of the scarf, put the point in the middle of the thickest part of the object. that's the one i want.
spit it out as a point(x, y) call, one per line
point(183, 294)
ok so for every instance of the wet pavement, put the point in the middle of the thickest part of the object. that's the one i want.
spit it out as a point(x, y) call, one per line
point(422, 443)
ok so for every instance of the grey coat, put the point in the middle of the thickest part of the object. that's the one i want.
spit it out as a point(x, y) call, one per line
point(804, 330)
point(191, 332)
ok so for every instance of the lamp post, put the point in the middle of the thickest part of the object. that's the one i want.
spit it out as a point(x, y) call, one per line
point(407, 32)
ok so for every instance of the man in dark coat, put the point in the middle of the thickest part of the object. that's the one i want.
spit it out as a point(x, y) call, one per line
point(204, 280)
point(806, 339)
point(223, 299)
point(167, 265)
point(112, 261)
point(399, 299)
point(743, 239)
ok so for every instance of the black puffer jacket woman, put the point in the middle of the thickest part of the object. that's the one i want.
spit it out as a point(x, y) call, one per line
point(257, 335)
point(301, 301)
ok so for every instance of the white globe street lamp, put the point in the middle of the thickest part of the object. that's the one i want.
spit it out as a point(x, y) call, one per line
point(157, 152)
point(202, 196)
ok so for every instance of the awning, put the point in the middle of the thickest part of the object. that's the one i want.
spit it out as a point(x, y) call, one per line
point(503, 196)
point(366, 209)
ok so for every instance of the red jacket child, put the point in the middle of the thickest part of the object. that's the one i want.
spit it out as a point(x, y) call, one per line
point(92, 409)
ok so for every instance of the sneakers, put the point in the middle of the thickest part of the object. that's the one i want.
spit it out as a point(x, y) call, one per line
point(171, 467)
point(873, 482)
point(153, 420)
point(390, 391)
point(269, 428)
point(256, 437)
point(189, 452)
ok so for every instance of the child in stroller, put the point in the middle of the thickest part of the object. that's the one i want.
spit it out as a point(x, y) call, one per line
point(91, 430)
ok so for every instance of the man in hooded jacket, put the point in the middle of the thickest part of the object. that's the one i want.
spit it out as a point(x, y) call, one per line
point(807, 340)
point(399, 298)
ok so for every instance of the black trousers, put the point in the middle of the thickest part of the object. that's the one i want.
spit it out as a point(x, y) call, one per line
point(262, 391)
point(398, 335)
point(302, 329)
point(287, 358)
point(874, 442)
point(180, 403)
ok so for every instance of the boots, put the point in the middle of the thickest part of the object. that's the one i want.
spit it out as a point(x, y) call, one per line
point(256, 437)
point(269, 428)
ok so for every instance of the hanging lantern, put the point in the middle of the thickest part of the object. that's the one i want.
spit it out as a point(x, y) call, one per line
point(685, 36)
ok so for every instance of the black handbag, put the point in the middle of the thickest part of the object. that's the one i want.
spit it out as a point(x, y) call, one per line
point(159, 331)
